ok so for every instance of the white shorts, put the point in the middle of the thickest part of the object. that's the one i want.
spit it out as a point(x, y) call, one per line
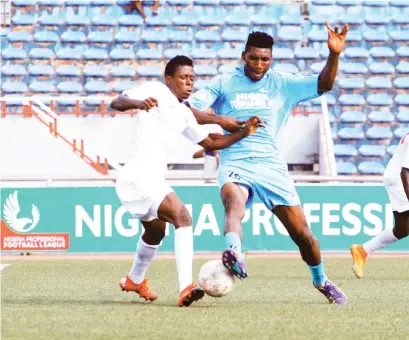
point(142, 199)
point(397, 197)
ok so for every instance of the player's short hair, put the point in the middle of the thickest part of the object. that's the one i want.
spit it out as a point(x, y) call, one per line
point(260, 40)
point(174, 63)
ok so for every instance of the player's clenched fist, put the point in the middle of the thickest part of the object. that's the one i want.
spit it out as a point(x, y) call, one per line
point(253, 124)
point(146, 104)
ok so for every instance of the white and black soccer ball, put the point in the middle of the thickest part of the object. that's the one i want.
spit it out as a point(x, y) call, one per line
point(215, 279)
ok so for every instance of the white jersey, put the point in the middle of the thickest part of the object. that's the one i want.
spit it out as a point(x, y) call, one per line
point(399, 159)
point(157, 133)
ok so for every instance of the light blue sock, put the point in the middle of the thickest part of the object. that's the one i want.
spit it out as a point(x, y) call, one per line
point(233, 241)
point(318, 274)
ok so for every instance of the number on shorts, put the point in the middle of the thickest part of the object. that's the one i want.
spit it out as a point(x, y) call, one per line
point(235, 176)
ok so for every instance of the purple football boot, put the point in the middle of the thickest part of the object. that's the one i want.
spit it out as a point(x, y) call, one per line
point(332, 292)
point(231, 261)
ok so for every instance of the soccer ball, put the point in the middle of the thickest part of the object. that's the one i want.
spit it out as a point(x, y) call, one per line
point(215, 279)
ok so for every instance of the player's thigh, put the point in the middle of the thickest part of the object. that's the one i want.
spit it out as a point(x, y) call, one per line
point(293, 219)
point(172, 210)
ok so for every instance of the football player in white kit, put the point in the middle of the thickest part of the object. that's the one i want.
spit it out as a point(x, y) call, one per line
point(141, 185)
point(396, 180)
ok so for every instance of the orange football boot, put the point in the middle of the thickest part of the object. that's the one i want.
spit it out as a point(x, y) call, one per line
point(190, 294)
point(358, 258)
point(142, 289)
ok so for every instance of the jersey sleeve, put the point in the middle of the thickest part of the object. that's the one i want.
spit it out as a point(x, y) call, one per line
point(206, 97)
point(143, 91)
point(193, 131)
point(301, 88)
point(405, 160)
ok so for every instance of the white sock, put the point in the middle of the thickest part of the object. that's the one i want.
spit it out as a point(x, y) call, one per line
point(144, 255)
point(385, 238)
point(184, 256)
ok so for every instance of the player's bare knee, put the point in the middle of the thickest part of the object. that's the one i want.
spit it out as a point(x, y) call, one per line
point(305, 238)
point(182, 219)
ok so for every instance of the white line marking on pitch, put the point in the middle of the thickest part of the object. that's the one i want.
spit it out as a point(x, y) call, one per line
point(2, 266)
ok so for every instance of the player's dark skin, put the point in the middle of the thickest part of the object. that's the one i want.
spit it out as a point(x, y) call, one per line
point(257, 63)
point(172, 209)
point(401, 228)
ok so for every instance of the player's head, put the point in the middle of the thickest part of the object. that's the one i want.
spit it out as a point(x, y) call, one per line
point(258, 55)
point(180, 77)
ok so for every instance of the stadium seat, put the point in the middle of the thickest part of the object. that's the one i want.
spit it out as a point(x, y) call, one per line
point(95, 71)
point(122, 54)
point(130, 20)
point(14, 87)
point(381, 117)
point(95, 54)
point(351, 19)
point(227, 68)
point(356, 52)
point(54, 19)
point(207, 36)
point(371, 168)
point(346, 3)
point(403, 116)
point(77, 2)
point(380, 99)
point(346, 168)
point(293, 19)
point(211, 20)
point(378, 83)
point(345, 150)
point(68, 71)
point(400, 19)
point(123, 85)
point(40, 70)
point(375, 3)
point(285, 67)
point(100, 37)
point(185, 19)
point(381, 52)
point(205, 70)
point(46, 37)
point(97, 86)
point(264, 19)
point(401, 82)
point(306, 53)
point(72, 19)
point(19, 36)
point(402, 35)
point(381, 68)
point(149, 54)
point(354, 35)
point(317, 67)
point(68, 53)
point(206, 2)
point(11, 53)
point(123, 71)
point(401, 131)
point(351, 99)
point(69, 87)
point(376, 19)
point(282, 53)
point(329, 98)
point(42, 86)
point(102, 2)
point(398, 3)
point(153, 36)
point(173, 52)
point(104, 20)
point(318, 35)
point(20, 19)
point(372, 150)
point(353, 68)
point(353, 117)
point(41, 53)
point(403, 51)
point(73, 37)
point(14, 70)
point(290, 33)
point(239, 18)
point(23, 3)
point(323, 2)
point(203, 53)
point(229, 53)
point(391, 149)
point(402, 99)
point(351, 83)
point(180, 36)
point(149, 71)
point(402, 67)
point(379, 132)
point(351, 133)
point(233, 35)
point(125, 36)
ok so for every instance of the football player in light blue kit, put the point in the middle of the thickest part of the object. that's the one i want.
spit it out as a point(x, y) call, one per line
point(254, 165)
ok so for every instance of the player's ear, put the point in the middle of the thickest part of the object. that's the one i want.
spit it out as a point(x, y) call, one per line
point(168, 80)
point(243, 55)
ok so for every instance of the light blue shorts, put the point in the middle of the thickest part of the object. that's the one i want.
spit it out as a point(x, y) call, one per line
point(270, 181)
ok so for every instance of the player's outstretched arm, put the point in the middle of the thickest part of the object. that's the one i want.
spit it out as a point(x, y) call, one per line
point(227, 123)
point(124, 103)
point(336, 43)
point(217, 141)
point(404, 175)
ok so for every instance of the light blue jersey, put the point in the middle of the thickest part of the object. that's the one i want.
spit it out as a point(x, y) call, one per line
point(255, 162)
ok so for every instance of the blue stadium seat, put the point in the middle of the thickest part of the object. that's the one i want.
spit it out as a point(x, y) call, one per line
point(130, 20)
point(285, 67)
point(69, 87)
point(23, 3)
point(154, 36)
point(123, 85)
point(318, 35)
point(104, 20)
point(381, 117)
point(68, 53)
point(68, 71)
point(149, 54)
point(403, 51)
point(122, 54)
point(329, 97)
point(306, 53)
point(402, 99)
point(19, 36)
point(205, 70)
point(55, 18)
point(372, 150)
point(73, 37)
point(203, 53)
point(42, 86)
point(398, 3)
point(95, 71)
point(402, 67)
point(293, 19)
point(173, 52)
point(257, 2)
point(46, 37)
point(381, 68)
point(123, 71)
point(163, 19)
point(290, 33)
point(346, 168)
point(403, 116)
point(323, 2)
point(206, 2)
point(20, 19)
point(73, 19)
point(181, 36)
point(371, 168)
point(381, 52)
point(356, 52)
point(346, 3)
point(351, 133)
point(14, 70)
point(376, 19)
point(77, 2)
point(351, 99)
point(351, 83)
point(97, 86)
point(11, 53)
point(283, 53)
point(401, 131)
point(380, 99)
point(345, 150)
point(391, 149)
point(239, 18)
point(102, 2)
point(100, 37)
point(149, 71)
point(375, 3)
point(40, 70)
point(353, 68)
point(400, 19)
point(233, 35)
point(95, 54)
point(317, 67)
point(378, 83)
point(354, 35)
point(351, 19)
point(264, 19)
point(185, 19)
point(353, 117)
point(125, 36)
point(229, 53)
point(41, 53)
point(14, 87)
point(379, 132)
point(402, 35)
point(401, 82)
point(227, 68)
point(231, 2)
point(207, 36)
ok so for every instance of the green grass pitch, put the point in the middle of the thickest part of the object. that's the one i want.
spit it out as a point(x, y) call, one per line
point(81, 299)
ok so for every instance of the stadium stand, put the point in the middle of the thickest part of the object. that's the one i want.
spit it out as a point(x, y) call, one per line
point(88, 47)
